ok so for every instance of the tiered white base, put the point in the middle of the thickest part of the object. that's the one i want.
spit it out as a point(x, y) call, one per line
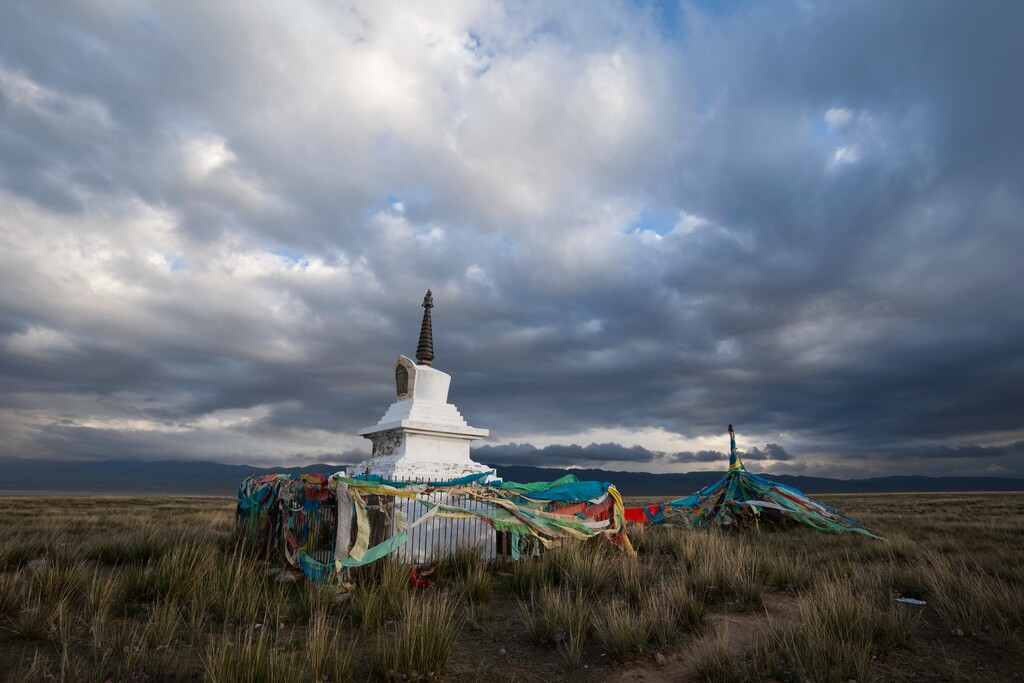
point(424, 438)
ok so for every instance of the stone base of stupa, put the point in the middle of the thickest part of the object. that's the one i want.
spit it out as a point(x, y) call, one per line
point(405, 454)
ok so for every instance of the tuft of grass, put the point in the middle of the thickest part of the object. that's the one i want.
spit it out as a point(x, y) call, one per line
point(836, 635)
point(137, 583)
point(238, 592)
point(65, 625)
point(465, 561)
point(12, 594)
point(422, 644)
point(17, 551)
point(973, 601)
point(718, 662)
point(666, 614)
point(688, 610)
point(163, 626)
point(786, 572)
point(140, 547)
point(179, 573)
point(380, 596)
point(240, 658)
point(33, 621)
point(660, 540)
point(310, 601)
point(556, 614)
point(727, 573)
point(102, 594)
point(584, 568)
point(478, 585)
point(56, 583)
point(325, 658)
point(632, 579)
point(478, 614)
point(570, 648)
point(622, 631)
point(531, 575)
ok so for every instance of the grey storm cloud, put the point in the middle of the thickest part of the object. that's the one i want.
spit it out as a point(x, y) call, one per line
point(699, 456)
point(564, 455)
point(967, 452)
point(640, 222)
point(771, 451)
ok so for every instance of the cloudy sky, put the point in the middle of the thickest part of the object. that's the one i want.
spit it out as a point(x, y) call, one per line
point(640, 222)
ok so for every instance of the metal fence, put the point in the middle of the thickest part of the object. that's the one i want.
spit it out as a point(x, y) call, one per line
point(312, 525)
point(438, 537)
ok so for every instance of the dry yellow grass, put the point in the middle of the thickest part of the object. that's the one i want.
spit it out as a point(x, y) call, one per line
point(156, 589)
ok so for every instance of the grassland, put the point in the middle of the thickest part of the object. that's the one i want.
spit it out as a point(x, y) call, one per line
point(155, 589)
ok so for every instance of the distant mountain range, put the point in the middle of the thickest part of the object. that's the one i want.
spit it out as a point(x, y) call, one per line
point(134, 477)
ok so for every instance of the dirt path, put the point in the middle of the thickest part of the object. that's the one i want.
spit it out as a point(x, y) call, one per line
point(740, 628)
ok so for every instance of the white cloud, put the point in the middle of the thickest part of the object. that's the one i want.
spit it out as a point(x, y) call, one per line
point(54, 107)
point(845, 155)
point(838, 117)
point(38, 342)
point(204, 155)
point(687, 223)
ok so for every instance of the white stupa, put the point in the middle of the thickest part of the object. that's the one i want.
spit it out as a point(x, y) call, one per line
point(421, 437)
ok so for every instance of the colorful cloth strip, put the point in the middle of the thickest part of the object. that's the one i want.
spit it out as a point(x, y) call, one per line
point(322, 524)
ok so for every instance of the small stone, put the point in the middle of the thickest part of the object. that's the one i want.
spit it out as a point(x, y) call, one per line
point(660, 659)
point(958, 632)
point(501, 651)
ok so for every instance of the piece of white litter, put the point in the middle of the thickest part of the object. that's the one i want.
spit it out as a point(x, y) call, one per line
point(911, 601)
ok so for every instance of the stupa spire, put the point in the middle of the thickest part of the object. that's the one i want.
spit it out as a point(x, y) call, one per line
point(425, 349)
